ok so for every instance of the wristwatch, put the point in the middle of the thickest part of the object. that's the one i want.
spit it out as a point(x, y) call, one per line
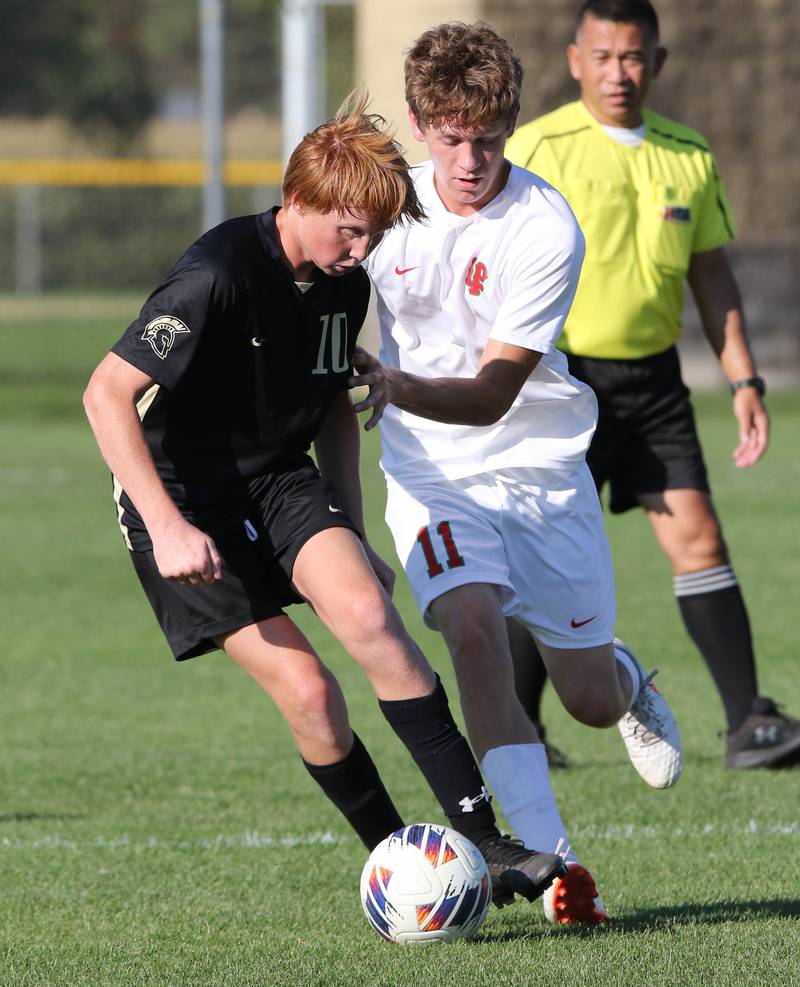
point(756, 382)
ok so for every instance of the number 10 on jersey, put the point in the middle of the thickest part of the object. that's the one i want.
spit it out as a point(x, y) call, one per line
point(454, 560)
point(332, 353)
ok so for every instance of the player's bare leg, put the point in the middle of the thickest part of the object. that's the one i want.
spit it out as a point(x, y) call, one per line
point(332, 571)
point(592, 686)
point(512, 757)
point(530, 677)
point(279, 657)
point(583, 676)
point(472, 623)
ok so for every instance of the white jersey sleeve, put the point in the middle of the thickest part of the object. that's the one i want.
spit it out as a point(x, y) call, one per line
point(541, 278)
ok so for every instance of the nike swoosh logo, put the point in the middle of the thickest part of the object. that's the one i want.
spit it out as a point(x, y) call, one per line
point(334, 510)
point(405, 270)
point(255, 341)
point(580, 623)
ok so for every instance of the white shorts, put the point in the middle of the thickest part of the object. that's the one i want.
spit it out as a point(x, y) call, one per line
point(537, 534)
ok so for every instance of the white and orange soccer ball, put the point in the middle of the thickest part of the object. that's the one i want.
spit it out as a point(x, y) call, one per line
point(425, 883)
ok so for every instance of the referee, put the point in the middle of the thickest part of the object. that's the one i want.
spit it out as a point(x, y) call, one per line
point(654, 213)
point(205, 410)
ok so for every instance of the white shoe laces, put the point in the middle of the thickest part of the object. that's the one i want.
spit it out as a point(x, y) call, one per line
point(563, 848)
point(648, 724)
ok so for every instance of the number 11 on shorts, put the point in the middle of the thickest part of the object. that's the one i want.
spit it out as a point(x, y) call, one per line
point(454, 560)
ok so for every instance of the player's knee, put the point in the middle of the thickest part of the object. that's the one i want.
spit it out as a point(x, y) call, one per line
point(314, 700)
point(593, 709)
point(600, 717)
point(366, 617)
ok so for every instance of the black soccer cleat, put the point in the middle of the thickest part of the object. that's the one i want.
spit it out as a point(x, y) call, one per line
point(766, 739)
point(515, 870)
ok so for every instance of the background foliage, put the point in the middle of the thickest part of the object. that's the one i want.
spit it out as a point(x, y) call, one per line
point(106, 67)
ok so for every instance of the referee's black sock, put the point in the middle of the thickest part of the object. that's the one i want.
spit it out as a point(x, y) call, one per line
point(715, 616)
point(427, 728)
point(355, 788)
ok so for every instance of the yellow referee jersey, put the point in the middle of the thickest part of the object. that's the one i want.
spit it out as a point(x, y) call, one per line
point(643, 210)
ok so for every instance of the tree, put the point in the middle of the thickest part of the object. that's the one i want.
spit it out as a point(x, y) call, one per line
point(80, 59)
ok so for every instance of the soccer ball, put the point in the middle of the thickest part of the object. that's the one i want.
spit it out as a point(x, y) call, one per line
point(425, 883)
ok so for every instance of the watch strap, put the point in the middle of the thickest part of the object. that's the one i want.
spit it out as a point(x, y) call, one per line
point(756, 382)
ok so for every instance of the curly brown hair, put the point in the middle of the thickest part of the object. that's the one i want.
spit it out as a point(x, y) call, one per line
point(463, 74)
point(352, 164)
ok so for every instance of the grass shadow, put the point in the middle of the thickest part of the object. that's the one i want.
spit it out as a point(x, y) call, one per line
point(713, 913)
point(664, 919)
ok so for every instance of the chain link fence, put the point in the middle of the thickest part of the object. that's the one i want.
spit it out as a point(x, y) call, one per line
point(80, 238)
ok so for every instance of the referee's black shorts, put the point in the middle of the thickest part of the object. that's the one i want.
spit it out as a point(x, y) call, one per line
point(259, 540)
point(646, 440)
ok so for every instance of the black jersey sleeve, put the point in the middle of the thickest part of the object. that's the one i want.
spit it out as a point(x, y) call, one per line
point(162, 341)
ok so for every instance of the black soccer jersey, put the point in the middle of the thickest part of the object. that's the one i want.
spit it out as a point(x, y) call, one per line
point(246, 365)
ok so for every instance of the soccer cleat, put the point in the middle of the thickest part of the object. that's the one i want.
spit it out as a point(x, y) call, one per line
point(573, 899)
point(766, 739)
point(515, 870)
point(650, 732)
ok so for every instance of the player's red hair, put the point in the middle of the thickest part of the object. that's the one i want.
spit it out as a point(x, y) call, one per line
point(352, 164)
point(464, 75)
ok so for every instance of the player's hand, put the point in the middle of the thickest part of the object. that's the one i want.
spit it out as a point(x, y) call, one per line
point(185, 554)
point(382, 569)
point(373, 375)
point(753, 426)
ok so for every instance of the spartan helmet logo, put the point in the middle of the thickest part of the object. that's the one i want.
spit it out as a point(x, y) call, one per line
point(161, 332)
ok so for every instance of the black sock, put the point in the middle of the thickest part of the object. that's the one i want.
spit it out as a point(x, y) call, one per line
point(355, 788)
point(427, 728)
point(530, 675)
point(715, 616)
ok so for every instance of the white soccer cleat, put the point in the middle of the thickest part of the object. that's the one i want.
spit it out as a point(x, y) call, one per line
point(573, 899)
point(650, 732)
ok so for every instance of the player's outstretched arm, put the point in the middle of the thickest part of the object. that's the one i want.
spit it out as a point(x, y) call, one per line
point(479, 400)
point(183, 553)
point(719, 302)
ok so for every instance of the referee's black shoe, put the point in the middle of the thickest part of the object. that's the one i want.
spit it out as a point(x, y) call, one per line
point(515, 870)
point(767, 739)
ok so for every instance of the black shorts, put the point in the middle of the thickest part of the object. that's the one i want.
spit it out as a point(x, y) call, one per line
point(258, 541)
point(646, 440)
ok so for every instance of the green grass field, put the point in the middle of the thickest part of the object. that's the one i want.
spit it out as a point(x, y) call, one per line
point(156, 827)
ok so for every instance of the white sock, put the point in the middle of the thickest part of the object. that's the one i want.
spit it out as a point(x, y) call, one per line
point(632, 669)
point(520, 780)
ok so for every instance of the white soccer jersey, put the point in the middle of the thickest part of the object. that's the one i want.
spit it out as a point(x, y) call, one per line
point(508, 272)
